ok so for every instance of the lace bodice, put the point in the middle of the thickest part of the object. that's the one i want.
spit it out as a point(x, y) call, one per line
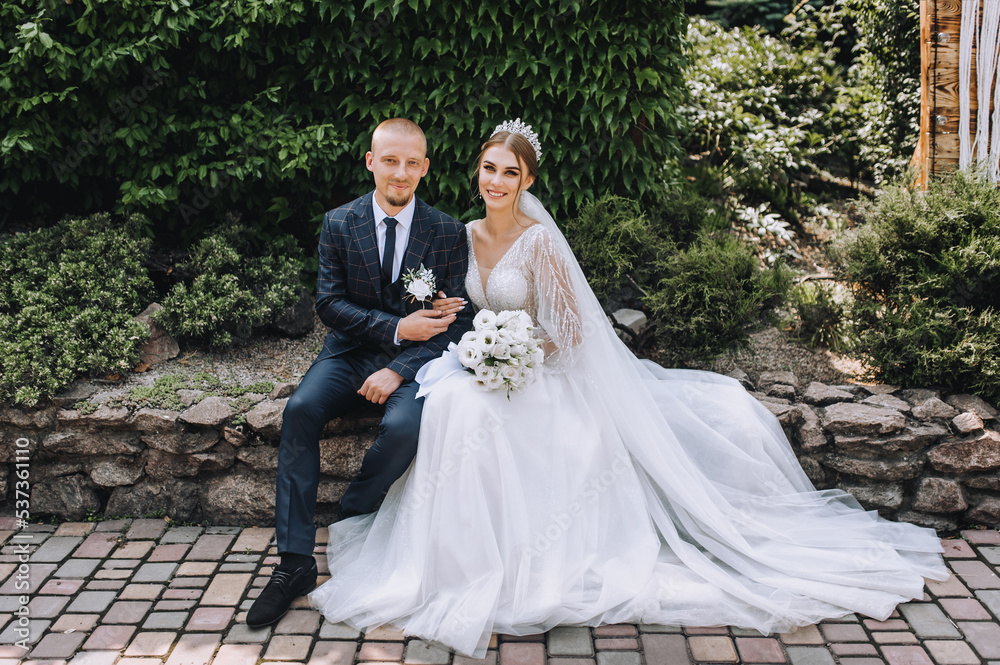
point(532, 276)
point(509, 285)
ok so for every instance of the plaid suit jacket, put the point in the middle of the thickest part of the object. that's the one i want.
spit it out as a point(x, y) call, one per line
point(348, 295)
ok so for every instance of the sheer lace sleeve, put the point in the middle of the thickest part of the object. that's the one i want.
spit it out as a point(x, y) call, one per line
point(557, 311)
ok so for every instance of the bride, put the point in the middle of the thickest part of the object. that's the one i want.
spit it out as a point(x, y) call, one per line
point(609, 489)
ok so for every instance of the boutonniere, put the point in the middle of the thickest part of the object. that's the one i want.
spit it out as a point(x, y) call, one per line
point(419, 284)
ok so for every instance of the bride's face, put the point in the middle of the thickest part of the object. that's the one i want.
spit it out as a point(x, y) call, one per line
point(501, 178)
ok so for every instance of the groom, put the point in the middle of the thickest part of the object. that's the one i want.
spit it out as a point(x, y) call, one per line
point(378, 340)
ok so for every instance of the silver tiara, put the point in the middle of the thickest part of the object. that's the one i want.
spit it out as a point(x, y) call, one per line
point(518, 127)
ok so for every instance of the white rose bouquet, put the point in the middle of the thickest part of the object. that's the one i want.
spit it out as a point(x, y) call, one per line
point(501, 351)
point(419, 284)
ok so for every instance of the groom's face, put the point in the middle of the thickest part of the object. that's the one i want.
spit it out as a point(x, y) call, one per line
point(398, 162)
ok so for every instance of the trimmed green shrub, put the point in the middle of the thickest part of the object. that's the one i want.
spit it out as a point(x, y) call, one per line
point(616, 241)
point(266, 107)
point(237, 285)
point(924, 269)
point(702, 295)
point(708, 295)
point(682, 213)
point(818, 316)
point(68, 295)
point(613, 240)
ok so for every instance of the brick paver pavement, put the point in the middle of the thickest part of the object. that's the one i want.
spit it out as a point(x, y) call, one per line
point(141, 592)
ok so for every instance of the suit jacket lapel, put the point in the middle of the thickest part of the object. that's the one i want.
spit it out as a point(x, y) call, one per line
point(363, 232)
point(421, 234)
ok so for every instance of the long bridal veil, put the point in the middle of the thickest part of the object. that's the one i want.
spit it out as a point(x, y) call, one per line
point(737, 517)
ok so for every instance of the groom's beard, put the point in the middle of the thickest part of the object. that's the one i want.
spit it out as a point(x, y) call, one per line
point(398, 200)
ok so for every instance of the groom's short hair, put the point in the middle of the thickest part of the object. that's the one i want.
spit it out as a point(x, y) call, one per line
point(399, 126)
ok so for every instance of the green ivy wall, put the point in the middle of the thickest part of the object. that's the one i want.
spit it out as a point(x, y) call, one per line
point(182, 109)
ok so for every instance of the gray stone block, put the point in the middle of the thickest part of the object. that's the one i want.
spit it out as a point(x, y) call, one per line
point(810, 656)
point(928, 620)
point(55, 549)
point(990, 598)
point(92, 602)
point(77, 569)
point(154, 572)
point(181, 534)
point(570, 641)
point(618, 658)
point(419, 652)
point(338, 631)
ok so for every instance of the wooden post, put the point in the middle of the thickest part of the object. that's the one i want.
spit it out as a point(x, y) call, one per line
point(940, 33)
point(921, 155)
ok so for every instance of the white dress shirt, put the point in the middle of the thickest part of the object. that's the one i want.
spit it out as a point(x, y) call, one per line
point(404, 219)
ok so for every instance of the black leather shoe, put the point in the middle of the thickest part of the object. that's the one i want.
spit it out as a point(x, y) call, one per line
point(285, 586)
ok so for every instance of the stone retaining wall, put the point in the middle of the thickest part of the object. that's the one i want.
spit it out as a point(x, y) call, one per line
point(909, 454)
point(914, 455)
point(193, 465)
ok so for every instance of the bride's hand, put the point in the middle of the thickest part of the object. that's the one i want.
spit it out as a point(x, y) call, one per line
point(447, 306)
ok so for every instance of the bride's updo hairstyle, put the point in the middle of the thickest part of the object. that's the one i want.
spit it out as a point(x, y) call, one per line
point(523, 151)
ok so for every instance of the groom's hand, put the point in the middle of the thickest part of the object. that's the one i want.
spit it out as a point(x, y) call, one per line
point(380, 385)
point(423, 324)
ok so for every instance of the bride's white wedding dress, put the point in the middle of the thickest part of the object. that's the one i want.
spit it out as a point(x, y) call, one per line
point(608, 490)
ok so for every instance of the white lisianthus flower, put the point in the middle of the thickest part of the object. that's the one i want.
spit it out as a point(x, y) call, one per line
point(469, 355)
point(487, 340)
point(485, 319)
point(505, 317)
point(537, 356)
point(501, 352)
point(510, 372)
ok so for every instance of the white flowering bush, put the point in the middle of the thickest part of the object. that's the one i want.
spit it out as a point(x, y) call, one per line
point(501, 350)
point(68, 295)
point(758, 107)
point(762, 223)
point(767, 232)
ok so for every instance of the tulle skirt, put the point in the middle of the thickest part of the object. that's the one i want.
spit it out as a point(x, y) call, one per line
point(521, 514)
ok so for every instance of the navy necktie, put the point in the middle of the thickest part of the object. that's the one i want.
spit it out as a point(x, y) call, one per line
point(389, 251)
